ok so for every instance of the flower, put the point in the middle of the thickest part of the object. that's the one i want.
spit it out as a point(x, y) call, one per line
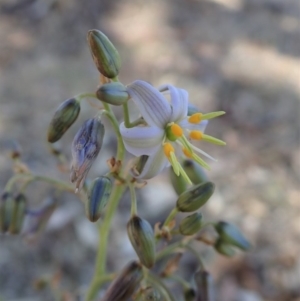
point(168, 129)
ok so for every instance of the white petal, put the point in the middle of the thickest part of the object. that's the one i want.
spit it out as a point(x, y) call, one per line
point(179, 102)
point(152, 105)
point(141, 140)
point(154, 165)
point(185, 124)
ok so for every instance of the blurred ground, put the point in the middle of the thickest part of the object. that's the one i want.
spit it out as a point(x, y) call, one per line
point(241, 56)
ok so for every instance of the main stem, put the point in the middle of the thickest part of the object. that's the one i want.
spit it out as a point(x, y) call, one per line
point(104, 228)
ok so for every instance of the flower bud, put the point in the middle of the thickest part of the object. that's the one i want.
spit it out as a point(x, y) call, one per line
point(231, 235)
point(191, 224)
point(125, 284)
point(178, 182)
point(18, 213)
point(195, 172)
point(113, 93)
point(204, 284)
point(195, 197)
point(6, 207)
point(104, 53)
point(223, 248)
point(98, 195)
point(189, 294)
point(65, 115)
point(141, 236)
point(85, 148)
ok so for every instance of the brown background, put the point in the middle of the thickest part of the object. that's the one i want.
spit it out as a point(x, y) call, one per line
point(241, 56)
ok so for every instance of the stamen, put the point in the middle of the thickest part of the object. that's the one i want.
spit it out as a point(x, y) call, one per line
point(212, 115)
point(187, 153)
point(168, 150)
point(186, 144)
point(195, 118)
point(213, 140)
point(200, 151)
point(196, 135)
point(183, 173)
point(201, 161)
point(175, 164)
point(176, 130)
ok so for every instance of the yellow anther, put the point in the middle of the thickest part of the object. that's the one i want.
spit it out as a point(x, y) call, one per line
point(168, 149)
point(187, 153)
point(195, 118)
point(196, 135)
point(176, 130)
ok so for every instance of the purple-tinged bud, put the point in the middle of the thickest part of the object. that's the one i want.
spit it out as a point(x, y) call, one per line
point(113, 93)
point(98, 196)
point(231, 235)
point(142, 238)
point(18, 213)
point(191, 224)
point(204, 284)
point(222, 248)
point(195, 197)
point(125, 284)
point(104, 53)
point(64, 116)
point(6, 208)
point(85, 149)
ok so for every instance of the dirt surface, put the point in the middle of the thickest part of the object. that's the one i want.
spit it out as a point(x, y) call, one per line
point(241, 56)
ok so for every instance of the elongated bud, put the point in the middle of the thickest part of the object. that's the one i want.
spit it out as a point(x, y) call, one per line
point(178, 182)
point(195, 172)
point(6, 208)
point(85, 149)
point(125, 284)
point(195, 197)
point(18, 213)
point(64, 116)
point(141, 236)
point(231, 235)
point(113, 93)
point(189, 294)
point(191, 224)
point(223, 248)
point(104, 53)
point(98, 195)
point(204, 284)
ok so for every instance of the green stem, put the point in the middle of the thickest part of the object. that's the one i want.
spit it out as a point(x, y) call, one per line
point(85, 95)
point(103, 240)
point(192, 250)
point(133, 200)
point(127, 122)
point(170, 217)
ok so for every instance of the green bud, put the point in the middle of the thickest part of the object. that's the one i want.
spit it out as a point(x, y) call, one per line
point(178, 182)
point(189, 294)
point(231, 235)
point(125, 284)
point(223, 248)
point(18, 213)
point(104, 53)
point(6, 209)
point(141, 236)
point(191, 224)
point(195, 197)
point(113, 93)
point(65, 115)
point(98, 196)
point(195, 172)
point(204, 284)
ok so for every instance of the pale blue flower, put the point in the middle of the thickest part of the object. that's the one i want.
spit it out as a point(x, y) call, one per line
point(168, 129)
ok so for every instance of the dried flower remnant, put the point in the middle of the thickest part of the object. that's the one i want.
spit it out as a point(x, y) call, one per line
point(85, 149)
